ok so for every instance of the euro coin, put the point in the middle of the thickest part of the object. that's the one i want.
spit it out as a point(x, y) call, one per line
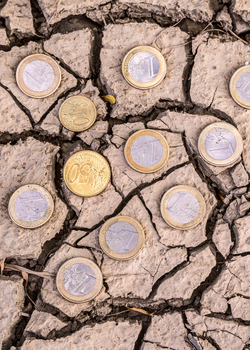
point(121, 238)
point(183, 207)
point(86, 173)
point(146, 151)
point(220, 144)
point(79, 280)
point(38, 76)
point(240, 86)
point(31, 206)
point(77, 113)
point(144, 67)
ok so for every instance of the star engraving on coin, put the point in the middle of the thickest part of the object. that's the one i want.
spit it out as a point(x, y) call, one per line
point(30, 206)
point(144, 67)
point(220, 144)
point(38, 75)
point(183, 207)
point(146, 150)
point(86, 173)
point(79, 279)
point(77, 113)
point(243, 86)
point(122, 237)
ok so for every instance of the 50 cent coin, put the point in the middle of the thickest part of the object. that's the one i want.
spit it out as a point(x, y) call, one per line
point(31, 206)
point(86, 173)
point(38, 76)
point(77, 113)
point(183, 207)
point(146, 151)
point(144, 67)
point(220, 144)
point(79, 280)
point(121, 238)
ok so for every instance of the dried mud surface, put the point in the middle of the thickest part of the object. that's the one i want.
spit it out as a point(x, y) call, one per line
point(193, 287)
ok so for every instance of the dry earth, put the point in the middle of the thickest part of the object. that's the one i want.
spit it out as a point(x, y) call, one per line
point(195, 283)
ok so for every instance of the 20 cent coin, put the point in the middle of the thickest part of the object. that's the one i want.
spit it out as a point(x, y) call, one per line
point(38, 76)
point(240, 86)
point(121, 238)
point(183, 207)
point(86, 173)
point(31, 206)
point(146, 151)
point(144, 67)
point(77, 113)
point(79, 280)
point(220, 144)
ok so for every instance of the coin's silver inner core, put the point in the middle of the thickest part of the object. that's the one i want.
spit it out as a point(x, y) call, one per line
point(220, 144)
point(183, 207)
point(243, 86)
point(30, 206)
point(122, 237)
point(79, 280)
point(146, 151)
point(143, 67)
point(38, 75)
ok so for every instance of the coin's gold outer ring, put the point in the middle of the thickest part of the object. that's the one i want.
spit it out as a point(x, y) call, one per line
point(143, 169)
point(72, 187)
point(74, 298)
point(127, 256)
point(223, 162)
point(34, 224)
point(87, 100)
point(232, 86)
point(199, 216)
point(38, 94)
point(160, 76)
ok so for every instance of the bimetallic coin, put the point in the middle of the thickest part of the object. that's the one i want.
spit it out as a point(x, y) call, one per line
point(31, 206)
point(220, 144)
point(146, 151)
point(144, 67)
point(240, 86)
point(121, 238)
point(86, 173)
point(38, 76)
point(77, 113)
point(183, 207)
point(79, 280)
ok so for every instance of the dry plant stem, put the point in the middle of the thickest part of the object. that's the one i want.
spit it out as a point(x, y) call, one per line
point(231, 32)
point(23, 269)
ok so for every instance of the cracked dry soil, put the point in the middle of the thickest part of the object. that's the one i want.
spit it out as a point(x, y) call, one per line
point(194, 283)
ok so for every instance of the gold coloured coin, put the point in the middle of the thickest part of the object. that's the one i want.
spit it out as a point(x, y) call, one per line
point(79, 280)
point(240, 86)
point(31, 206)
point(38, 76)
point(144, 67)
point(77, 113)
point(146, 151)
point(121, 238)
point(86, 173)
point(220, 144)
point(183, 207)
